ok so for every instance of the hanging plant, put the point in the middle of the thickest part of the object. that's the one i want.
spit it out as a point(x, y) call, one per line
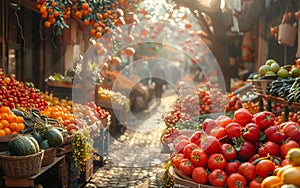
point(99, 15)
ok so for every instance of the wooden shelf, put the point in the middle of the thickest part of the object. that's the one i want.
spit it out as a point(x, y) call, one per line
point(279, 100)
point(62, 84)
point(29, 181)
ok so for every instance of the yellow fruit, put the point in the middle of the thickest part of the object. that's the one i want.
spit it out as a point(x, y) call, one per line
point(294, 156)
point(278, 171)
point(289, 186)
point(291, 176)
point(271, 182)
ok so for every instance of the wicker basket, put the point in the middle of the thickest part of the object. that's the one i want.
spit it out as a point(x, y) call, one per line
point(49, 156)
point(184, 180)
point(21, 166)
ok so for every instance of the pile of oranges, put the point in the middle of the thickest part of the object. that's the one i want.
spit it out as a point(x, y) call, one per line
point(59, 113)
point(9, 122)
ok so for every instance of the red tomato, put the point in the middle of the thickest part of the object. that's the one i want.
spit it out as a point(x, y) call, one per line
point(216, 161)
point(245, 151)
point(270, 148)
point(284, 148)
point(199, 175)
point(292, 130)
point(284, 162)
point(232, 167)
point(228, 151)
point(242, 116)
point(223, 121)
point(188, 149)
point(218, 132)
point(210, 145)
point(233, 130)
point(217, 178)
point(264, 168)
point(254, 157)
point(264, 119)
point(180, 145)
point(247, 169)
point(274, 134)
point(196, 137)
point(255, 183)
point(176, 159)
point(236, 180)
point(186, 167)
point(251, 132)
point(198, 157)
point(208, 124)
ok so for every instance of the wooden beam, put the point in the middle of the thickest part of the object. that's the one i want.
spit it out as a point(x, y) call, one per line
point(30, 4)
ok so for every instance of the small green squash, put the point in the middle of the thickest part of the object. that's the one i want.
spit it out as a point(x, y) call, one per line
point(21, 146)
point(37, 136)
point(44, 145)
point(54, 137)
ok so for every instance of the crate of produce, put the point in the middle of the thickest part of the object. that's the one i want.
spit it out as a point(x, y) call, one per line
point(260, 85)
point(49, 156)
point(21, 166)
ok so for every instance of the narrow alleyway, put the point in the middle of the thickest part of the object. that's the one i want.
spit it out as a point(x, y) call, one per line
point(135, 158)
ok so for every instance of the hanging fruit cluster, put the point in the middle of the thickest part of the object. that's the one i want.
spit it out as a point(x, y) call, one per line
point(100, 16)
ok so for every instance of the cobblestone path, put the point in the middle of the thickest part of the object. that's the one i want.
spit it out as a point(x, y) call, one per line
point(136, 159)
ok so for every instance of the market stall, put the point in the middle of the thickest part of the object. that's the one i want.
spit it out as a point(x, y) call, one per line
point(42, 137)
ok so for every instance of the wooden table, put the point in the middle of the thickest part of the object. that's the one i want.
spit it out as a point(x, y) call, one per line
point(29, 181)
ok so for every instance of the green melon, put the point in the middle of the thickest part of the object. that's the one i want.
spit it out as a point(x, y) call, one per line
point(54, 137)
point(37, 136)
point(35, 142)
point(21, 146)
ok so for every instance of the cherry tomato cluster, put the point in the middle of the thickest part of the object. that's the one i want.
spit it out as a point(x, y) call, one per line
point(207, 102)
point(242, 150)
point(293, 116)
point(233, 102)
point(16, 94)
point(252, 107)
point(100, 112)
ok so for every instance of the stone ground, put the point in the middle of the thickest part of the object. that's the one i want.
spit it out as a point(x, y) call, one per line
point(135, 159)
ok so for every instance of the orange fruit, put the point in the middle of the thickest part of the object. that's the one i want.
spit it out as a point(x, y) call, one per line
point(4, 109)
point(1, 126)
point(55, 13)
point(7, 131)
point(12, 118)
point(13, 126)
point(44, 15)
point(4, 116)
point(2, 132)
point(86, 22)
point(20, 119)
point(78, 14)
point(4, 123)
point(47, 24)
point(271, 182)
point(85, 6)
point(20, 127)
point(43, 9)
